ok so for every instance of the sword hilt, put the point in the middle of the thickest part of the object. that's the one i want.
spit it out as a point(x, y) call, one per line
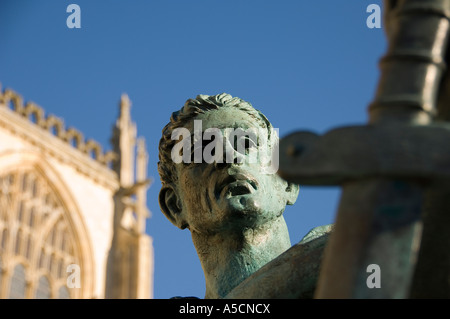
point(412, 69)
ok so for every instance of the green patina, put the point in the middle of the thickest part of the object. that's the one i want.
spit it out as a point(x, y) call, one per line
point(233, 210)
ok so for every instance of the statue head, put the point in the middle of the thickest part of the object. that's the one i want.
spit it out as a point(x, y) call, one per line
point(213, 175)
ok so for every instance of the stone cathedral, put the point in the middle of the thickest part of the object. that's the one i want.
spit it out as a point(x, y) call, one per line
point(72, 217)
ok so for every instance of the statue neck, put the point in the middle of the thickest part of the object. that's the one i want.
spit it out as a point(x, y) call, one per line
point(228, 258)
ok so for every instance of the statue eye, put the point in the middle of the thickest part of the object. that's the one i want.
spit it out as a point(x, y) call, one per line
point(249, 143)
point(244, 144)
point(197, 149)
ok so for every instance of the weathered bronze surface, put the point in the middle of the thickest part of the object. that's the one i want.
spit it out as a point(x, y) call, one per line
point(395, 175)
point(233, 209)
point(292, 275)
point(394, 171)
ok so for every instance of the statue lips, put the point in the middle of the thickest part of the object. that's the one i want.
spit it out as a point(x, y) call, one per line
point(235, 185)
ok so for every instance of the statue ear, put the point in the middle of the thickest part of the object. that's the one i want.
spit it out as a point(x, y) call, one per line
point(171, 206)
point(292, 193)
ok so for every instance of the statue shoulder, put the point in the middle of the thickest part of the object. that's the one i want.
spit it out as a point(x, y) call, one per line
point(317, 232)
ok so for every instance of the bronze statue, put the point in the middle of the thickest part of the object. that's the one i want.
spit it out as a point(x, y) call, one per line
point(232, 207)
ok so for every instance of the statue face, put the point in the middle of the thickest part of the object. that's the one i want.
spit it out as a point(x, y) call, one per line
point(230, 196)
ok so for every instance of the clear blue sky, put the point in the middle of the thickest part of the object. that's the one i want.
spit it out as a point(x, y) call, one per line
point(306, 65)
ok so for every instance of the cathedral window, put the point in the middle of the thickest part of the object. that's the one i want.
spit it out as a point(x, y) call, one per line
point(18, 283)
point(37, 242)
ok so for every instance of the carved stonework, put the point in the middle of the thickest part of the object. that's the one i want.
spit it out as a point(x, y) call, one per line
point(75, 208)
point(55, 126)
point(35, 234)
